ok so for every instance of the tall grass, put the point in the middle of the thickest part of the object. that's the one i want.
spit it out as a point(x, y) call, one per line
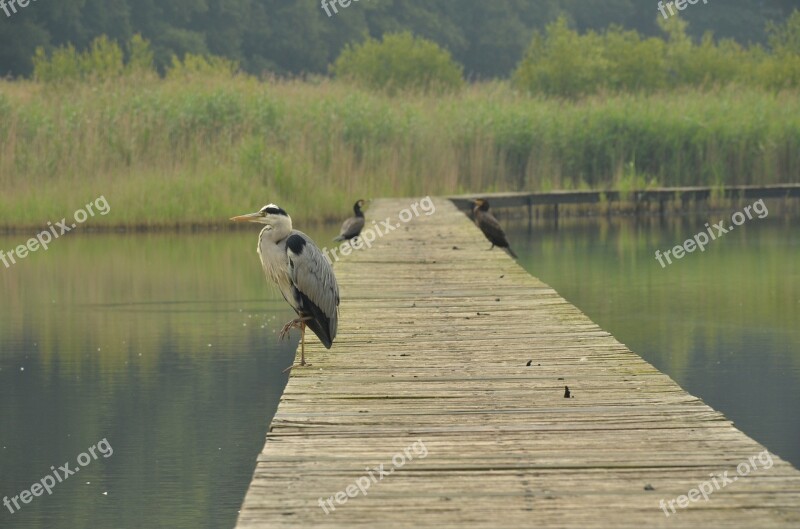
point(198, 149)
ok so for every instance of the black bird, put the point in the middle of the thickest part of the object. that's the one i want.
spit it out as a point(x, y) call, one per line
point(351, 228)
point(489, 226)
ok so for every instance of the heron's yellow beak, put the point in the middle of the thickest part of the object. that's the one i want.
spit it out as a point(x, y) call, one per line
point(250, 217)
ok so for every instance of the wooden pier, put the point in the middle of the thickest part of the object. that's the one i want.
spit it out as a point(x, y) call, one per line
point(657, 195)
point(444, 343)
point(641, 199)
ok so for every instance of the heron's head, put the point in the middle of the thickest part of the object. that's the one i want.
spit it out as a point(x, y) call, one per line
point(274, 218)
point(481, 204)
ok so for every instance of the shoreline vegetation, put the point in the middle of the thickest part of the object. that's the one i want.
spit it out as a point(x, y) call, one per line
point(167, 152)
point(202, 142)
point(787, 208)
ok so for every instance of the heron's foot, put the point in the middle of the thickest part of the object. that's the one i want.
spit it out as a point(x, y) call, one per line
point(296, 365)
point(296, 323)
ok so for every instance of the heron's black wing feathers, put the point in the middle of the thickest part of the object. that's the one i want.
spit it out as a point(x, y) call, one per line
point(318, 322)
point(316, 290)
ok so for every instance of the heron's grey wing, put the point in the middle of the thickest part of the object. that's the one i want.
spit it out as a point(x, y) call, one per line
point(317, 293)
point(492, 229)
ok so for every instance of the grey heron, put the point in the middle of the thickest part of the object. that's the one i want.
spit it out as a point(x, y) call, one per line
point(489, 225)
point(351, 228)
point(299, 269)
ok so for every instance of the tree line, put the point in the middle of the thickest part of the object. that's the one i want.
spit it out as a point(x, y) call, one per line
point(489, 38)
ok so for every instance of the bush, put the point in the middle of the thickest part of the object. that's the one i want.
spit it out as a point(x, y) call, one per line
point(102, 61)
point(399, 62)
point(105, 60)
point(633, 63)
point(200, 66)
point(140, 56)
point(62, 65)
point(564, 63)
point(782, 69)
point(785, 39)
point(705, 64)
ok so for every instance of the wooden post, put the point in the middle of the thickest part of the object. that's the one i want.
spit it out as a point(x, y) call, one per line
point(530, 214)
point(555, 211)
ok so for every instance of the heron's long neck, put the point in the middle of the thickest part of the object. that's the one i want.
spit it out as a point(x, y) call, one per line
point(272, 257)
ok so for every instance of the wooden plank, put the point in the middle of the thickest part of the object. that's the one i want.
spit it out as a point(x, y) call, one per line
point(435, 337)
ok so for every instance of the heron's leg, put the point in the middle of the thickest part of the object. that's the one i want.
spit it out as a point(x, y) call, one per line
point(302, 343)
point(297, 323)
point(294, 324)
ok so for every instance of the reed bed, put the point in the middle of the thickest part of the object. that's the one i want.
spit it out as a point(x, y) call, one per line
point(194, 151)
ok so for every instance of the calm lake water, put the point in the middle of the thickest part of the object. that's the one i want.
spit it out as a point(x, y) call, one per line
point(162, 344)
point(165, 345)
point(724, 324)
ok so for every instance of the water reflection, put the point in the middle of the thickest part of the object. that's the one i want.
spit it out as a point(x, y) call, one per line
point(722, 323)
point(163, 344)
point(166, 346)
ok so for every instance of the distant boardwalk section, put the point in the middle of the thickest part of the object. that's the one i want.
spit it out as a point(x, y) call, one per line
point(442, 404)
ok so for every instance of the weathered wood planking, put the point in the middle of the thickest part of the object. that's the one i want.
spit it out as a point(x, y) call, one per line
point(434, 336)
